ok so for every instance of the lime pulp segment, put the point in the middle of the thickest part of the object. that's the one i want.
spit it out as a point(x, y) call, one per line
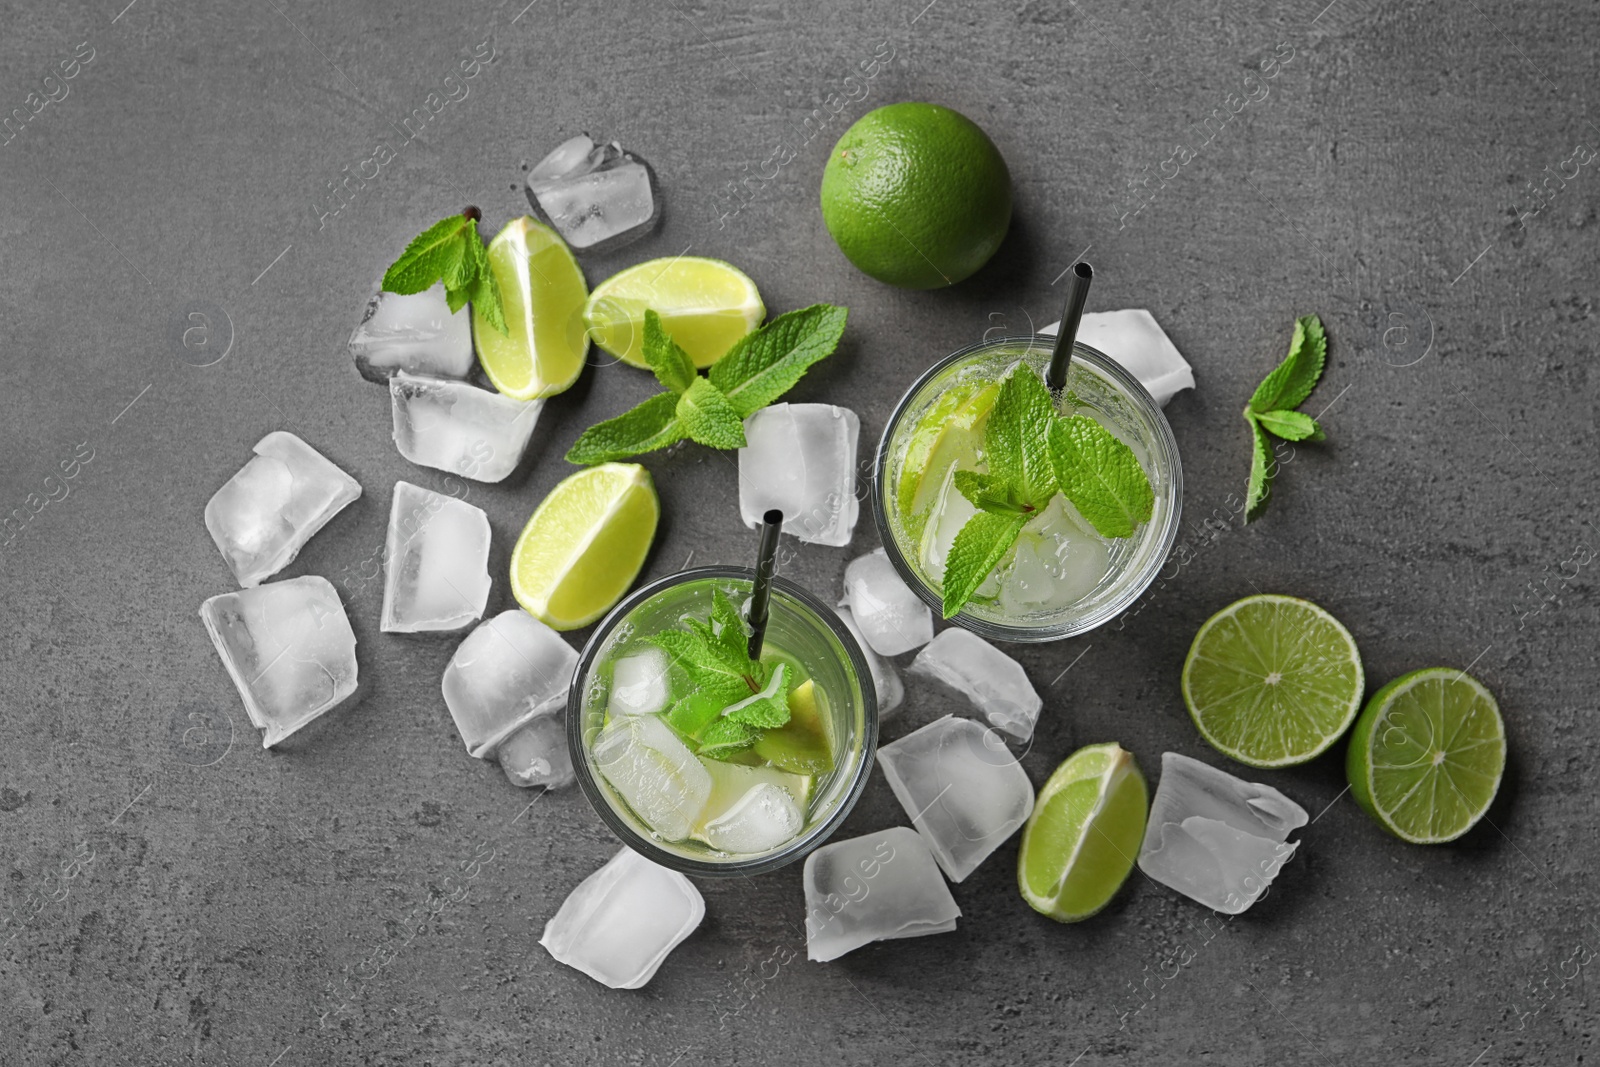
point(705, 305)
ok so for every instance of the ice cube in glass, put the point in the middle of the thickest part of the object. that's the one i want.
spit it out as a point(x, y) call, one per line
point(655, 773)
point(801, 460)
point(877, 887)
point(457, 427)
point(510, 669)
point(436, 562)
point(620, 923)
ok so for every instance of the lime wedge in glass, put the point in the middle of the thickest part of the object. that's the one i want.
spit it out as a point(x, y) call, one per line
point(705, 306)
point(585, 544)
point(1427, 754)
point(1272, 680)
point(1079, 844)
point(950, 431)
point(542, 293)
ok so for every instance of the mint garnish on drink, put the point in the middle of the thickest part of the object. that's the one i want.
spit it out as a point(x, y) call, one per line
point(1271, 407)
point(710, 409)
point(1033, 453)
point(734, 697)
point(452, 252)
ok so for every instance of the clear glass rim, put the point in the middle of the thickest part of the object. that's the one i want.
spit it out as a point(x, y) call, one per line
point(808, 840)
point(1165, 442)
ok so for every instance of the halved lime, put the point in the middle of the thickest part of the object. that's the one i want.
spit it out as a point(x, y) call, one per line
point(542, 293)
point(705, 305)
point(1427, 754)
point(1272, 680)
point(585, 544)
point(951, 430)
point(1079, 844)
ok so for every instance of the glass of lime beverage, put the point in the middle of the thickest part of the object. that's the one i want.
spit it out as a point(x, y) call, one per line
point(1062, 577)
point(662, 723)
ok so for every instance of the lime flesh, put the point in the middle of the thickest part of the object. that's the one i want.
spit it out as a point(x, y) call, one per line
point(1080, 843)
point(542, 293)
point(804, 744)
point(1427, 755)
point(949, 432)
point(705, 306)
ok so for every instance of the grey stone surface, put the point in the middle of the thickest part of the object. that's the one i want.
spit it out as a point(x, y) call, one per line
point(173, 894)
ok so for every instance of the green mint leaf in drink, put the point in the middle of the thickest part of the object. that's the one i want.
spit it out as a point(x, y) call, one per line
point(1261, 471)
point(767, 709)
point(1100, 476)
point(689, 716)
point(723, 737)
point(1290, 425)
point(708, 417)
point(985, 495)
point(449, 251)
point(651, 425)
point(1015, 440)
point(671, 364)
point(766, 363)
point(978, 549)
point(1292, 380)
point(727, 632)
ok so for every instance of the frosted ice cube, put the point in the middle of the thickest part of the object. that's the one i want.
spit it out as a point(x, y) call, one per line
point(596, 196)
point(1058, 561)
point(964, 790)
point(874, 888)
point(536, 754)
point(619, 924)
point(1215, 838)
point(994, 682)
point(436, 562)
point(885, 679)
point(264, 514)
point(892, 617)
point(457, 427)
point(1134, 339)
point(288, 647)
point(654, 772)
point(639, 683)
point(801, 459)
point(761, 820)
point(416, 333)
point(510, 669)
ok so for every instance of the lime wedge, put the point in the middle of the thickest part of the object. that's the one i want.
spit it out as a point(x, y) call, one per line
point(804, 744)
point(1427, 754)
point(542, 293)
point(585, 544)
point(729, 784)
point(951, 430)
point(1272, 680)
point(1079, 844)
point(705, 305)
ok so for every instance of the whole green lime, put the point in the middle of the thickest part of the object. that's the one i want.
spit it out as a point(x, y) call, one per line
point(916, 195)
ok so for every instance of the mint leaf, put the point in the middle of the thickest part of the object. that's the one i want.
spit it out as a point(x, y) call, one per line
point(1260, 471)
point(1292, 380)
point(763, 365)
point(651, 425)
point(484, 291)
point(724, 737)
point(727, 632)
point(672, 366)
point(985, 495)
point(1015, 441)
point(978, 548)
point(767, 709)
point(1100, 476)
point(708, 417)
point(1290, 425)
point(709, 668)
point(450, 251)
point(693, 714)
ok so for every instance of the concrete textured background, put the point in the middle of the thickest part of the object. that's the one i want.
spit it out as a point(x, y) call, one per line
point(175, 895)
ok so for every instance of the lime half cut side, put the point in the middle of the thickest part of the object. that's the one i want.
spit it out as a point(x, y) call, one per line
point(705, 306)
point(1079, 844)
point(1272, 680)
point(1427, 755)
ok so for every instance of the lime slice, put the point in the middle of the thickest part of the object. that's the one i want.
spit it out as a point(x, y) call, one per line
point(585, 545)
point(950, 431)
point(804, 744)
point(705, 305)
point(1272, 680)
point(1079, 844)
point(1427, 754)
point(542, 293)
point(729, 784)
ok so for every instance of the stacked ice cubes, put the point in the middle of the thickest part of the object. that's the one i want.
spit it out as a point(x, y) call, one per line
point(417, 333)
point(597, 197)
point(801, 460)
point(874, 888)
point(620, 923)
point(436, 562)
point(994, 682)
point(456, 427)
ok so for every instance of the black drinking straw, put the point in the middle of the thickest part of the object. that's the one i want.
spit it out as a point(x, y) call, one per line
point(761, 592)
point(1067, 333)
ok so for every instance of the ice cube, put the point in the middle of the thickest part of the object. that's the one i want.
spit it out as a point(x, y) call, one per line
point(266, 512)
point(761, 820)
point(893, 618)
point(1058, 561)
point(1134, 339)
point(436, 562)
point(885, 679)
point(511, 669)
point(874, 888)
point(288, 647)
point(619, 924)
point(994, 682)
point(1215, 838)
point(415, 333)
point(639, 683)
point(964, 790)
point(596, 196)
point(456, 427)
point(951, 512)
point(654, 772)
point(801, 459)
point(536, 754)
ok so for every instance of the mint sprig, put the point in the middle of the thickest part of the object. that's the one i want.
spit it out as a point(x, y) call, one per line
point(710, 409)
point(1100, 475)
point(1271, 408)
point(450, 251)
